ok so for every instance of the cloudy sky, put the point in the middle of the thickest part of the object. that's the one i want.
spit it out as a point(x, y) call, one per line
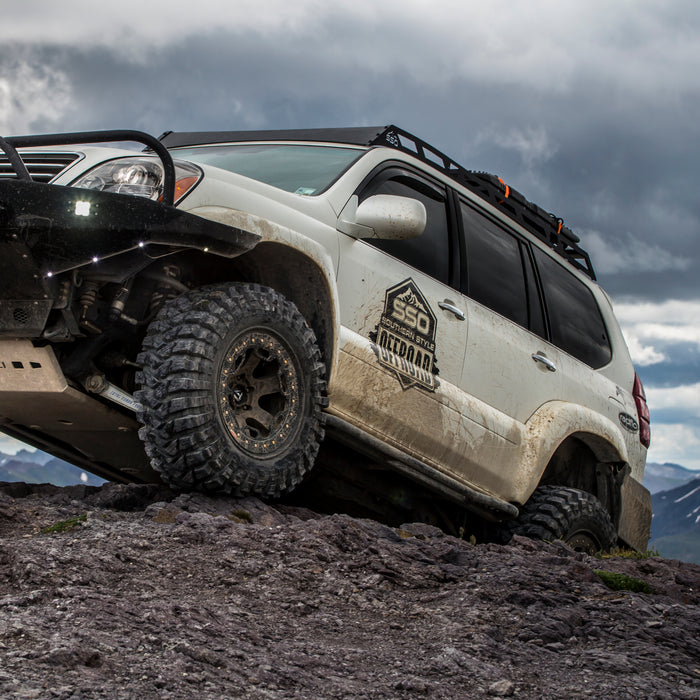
point(588, 107)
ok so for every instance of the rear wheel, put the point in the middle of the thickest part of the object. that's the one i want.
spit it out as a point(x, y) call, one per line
point(562, 513)
point(232, 389)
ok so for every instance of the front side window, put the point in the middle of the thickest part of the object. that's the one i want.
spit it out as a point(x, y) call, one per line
point(576, 324)
point(430, 252)
point(302, 169)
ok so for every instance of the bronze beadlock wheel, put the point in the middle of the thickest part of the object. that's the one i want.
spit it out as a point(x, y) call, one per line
point(260, 398)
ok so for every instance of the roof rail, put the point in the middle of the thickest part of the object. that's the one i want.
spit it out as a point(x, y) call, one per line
point(547, 227)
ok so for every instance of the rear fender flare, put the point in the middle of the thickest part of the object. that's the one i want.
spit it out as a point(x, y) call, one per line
point(548, 427)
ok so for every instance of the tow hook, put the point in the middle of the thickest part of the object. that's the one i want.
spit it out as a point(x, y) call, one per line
point(98, 384)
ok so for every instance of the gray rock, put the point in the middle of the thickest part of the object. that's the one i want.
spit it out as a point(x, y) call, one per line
point(157, 595)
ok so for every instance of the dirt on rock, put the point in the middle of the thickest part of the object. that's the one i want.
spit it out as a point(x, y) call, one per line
point(134, 592)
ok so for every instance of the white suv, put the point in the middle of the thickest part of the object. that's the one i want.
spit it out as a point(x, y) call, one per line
point(350, 281)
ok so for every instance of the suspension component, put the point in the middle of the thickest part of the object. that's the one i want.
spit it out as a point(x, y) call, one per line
point(88, 297)
point(116, 310)
point(169, 286)
point(98, 384)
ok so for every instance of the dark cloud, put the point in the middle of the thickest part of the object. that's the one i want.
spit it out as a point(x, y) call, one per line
point(682, 366)
point(674, 416)
point(618, 162)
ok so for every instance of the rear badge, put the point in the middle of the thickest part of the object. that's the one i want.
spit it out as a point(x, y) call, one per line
point(628, 422)
point(404, 340)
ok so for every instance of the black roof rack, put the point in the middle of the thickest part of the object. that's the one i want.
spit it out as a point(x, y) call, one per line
point(357, 136)
point(546, 226)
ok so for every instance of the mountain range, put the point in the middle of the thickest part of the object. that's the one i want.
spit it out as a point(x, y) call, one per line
point(667, 476)
point(40, 468)
point(675, 525)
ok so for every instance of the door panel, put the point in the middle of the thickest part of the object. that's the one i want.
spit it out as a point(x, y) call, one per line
point(401, 354)
point(499, 368)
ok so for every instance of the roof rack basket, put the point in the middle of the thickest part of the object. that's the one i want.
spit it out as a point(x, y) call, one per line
point(547, 227)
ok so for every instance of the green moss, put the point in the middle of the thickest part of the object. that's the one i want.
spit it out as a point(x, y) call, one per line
point(242, 515)
point(622, 582)
point(65, 525)
point(628, 554)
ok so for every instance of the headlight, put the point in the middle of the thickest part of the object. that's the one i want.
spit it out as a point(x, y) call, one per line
point(142, 177)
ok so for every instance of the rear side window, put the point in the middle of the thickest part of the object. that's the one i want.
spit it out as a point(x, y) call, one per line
point(495, 273)
point(576, 323)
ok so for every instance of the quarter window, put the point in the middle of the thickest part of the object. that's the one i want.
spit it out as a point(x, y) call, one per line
point(576, 324)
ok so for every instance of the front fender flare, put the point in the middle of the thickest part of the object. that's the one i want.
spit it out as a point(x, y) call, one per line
point(312, 250)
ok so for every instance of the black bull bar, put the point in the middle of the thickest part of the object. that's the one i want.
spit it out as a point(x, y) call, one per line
point(49, 229)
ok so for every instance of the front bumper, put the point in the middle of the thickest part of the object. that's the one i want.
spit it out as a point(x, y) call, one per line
point(46, 230)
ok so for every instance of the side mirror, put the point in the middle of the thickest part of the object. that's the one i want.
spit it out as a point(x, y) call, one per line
point(383, 216)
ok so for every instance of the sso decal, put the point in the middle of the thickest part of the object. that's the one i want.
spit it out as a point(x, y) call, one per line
point(404, 339)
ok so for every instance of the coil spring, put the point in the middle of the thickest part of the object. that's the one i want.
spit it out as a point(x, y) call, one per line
point(88, 295)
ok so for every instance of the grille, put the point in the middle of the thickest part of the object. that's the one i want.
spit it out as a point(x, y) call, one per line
point(43, 167)
point(21, 316)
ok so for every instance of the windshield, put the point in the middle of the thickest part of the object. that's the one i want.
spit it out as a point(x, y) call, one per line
point(301, 169)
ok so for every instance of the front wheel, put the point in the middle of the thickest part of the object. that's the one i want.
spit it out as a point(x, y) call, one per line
point(232, 391)
point(562, 513)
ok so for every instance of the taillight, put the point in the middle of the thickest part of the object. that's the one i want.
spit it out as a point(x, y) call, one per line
point(640, 400)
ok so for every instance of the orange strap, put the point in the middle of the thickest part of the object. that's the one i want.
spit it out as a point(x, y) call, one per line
point(506, 186)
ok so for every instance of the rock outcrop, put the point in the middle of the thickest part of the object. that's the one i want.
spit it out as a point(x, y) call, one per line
point(133, 592)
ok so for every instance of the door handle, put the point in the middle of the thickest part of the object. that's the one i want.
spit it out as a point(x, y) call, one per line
point(545, 361)
point(447, 306)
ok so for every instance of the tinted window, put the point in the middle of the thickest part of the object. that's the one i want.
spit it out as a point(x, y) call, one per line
point(575, 321)
point(495, 274)
point(429, 252)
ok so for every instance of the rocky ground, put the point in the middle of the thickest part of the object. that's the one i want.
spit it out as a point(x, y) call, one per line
point(131, 592)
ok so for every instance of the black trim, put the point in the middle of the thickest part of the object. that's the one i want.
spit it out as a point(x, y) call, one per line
point(456, 239)
point(357, 136)
point(532, 277)
point(540, 293)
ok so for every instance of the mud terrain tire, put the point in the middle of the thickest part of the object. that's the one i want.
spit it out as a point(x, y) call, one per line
point(232, 391)
point(562, 513)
